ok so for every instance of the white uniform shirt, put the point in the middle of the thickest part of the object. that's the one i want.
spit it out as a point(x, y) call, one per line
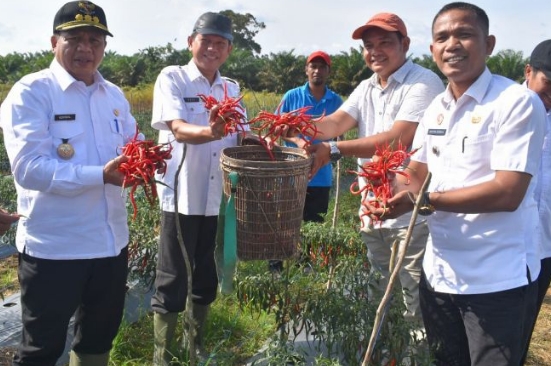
point(496, 125)
point(200, 181)
point(70, 213)
point(408, 93)
point(543, 193)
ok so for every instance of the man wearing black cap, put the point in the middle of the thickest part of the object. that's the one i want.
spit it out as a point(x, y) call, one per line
point(62, 129)
point(182, 119)
point(538, 79)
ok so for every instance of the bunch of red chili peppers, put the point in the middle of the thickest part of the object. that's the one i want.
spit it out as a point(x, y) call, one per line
point(145, 157)
point(272, 125)
point(231, 111)
point(378, 174)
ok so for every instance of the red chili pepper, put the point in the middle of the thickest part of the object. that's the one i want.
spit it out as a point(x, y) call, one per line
point(145, 259)
point(294, 120)
point(230, 111)
point(233, 114)
point(378, 175)
point(145, 157)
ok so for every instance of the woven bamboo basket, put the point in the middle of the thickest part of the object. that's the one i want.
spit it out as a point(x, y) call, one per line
point(269, 199)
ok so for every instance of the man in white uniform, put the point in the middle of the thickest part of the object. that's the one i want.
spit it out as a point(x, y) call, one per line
point(62, 128)
point(481, 140)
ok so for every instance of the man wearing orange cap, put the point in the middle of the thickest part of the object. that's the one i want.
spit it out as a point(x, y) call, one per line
point(321, 100)
point(386, 109)
point(62, 128)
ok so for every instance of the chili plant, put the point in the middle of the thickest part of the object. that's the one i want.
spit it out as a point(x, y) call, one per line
point(144, 234)
point(332, 303)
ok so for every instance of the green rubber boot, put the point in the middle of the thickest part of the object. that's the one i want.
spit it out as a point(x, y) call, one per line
point(200, 313)
point(164, 326)
point(82, 359)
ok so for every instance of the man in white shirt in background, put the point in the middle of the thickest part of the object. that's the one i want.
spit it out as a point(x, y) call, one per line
point(538, 79)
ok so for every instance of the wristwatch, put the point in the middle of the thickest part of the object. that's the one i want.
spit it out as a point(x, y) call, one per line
point(335, 153)
point(425, 207)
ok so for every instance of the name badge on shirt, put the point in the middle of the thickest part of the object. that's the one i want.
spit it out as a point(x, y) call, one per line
point(437, 131)
point(192, 100)
point(65, 117)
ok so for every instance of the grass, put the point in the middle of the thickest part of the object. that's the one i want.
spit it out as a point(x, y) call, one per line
point(539, 353)
point(233, 334)
point(8, 276)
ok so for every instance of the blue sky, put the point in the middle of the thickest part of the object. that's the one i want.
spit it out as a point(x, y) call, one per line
point(300, 25)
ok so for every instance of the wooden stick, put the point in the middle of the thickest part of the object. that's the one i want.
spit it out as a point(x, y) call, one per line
point(381, 310)
point(335, 216)
point(337, 192)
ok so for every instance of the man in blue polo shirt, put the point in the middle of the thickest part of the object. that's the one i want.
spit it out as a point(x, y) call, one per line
point(322, 101)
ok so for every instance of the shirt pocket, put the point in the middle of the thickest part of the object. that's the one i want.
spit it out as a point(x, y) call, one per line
point(389, 117)
point(117, 126)
point(116, 115)
point(476, 151)
point(70, 133)
point(198, 114)
point(120, 133)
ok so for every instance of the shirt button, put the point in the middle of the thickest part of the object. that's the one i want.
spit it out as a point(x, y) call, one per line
point(214, 154)
point(211, 177)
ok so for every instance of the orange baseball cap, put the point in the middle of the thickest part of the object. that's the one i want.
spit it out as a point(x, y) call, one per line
point(387, 21)
point(319, 54)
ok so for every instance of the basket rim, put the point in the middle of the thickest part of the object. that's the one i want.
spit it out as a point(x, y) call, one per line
point(284, 149)
point(229, 161)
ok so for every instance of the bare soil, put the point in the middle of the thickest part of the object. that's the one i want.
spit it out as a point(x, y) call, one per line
point(6, 355)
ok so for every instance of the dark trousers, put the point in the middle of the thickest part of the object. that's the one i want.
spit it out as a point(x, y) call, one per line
point(316, 203)
point(52, 291)
point(199, 239)
point(544, 279)
point(478, 330)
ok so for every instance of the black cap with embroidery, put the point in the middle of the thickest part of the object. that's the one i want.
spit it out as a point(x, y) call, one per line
point(541, 58)
point(77, 14)
point(214, 23)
